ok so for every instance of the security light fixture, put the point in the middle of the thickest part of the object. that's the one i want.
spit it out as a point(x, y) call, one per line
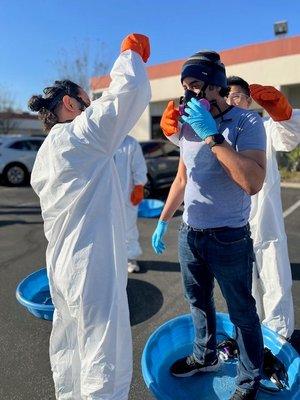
point(280, 28)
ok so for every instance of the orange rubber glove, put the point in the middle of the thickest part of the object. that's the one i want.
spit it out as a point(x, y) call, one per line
point(137, 195)
point(273, 101)
point(169, 119)
point(138, 43)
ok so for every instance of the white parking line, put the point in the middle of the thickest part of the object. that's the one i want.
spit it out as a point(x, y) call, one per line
point(291, 209)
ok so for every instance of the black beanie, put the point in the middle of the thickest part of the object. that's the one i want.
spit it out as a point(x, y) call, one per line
point(207, 67)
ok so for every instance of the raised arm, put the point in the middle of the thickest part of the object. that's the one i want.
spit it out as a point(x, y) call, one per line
point(110, 118)
point(170, 124)
point(246, 168)
point(246, 163)
point(285, 135)
point(284, 122)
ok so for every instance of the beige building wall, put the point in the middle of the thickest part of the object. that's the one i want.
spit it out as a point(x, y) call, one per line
point(166, 88)
point(274, 71)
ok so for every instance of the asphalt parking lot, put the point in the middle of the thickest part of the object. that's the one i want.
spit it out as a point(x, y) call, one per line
point(155, 293)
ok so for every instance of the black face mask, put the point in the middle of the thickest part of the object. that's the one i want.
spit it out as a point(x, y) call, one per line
point(188, 95)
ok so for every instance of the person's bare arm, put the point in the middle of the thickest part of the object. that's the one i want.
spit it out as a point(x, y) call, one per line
point(176, 193)
point(246, 168)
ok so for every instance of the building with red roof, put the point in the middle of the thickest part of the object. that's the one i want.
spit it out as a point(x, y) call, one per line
point(276, 63)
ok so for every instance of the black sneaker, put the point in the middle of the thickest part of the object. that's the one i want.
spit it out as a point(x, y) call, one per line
point(244, 394)
point(188, 366)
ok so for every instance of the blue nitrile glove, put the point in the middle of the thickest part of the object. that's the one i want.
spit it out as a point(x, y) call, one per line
point(200, 119)
point(157, 237)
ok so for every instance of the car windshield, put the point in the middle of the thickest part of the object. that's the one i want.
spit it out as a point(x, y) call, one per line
point(152, 149)
point(29, 145)
point(160, 149)
point(35, 144)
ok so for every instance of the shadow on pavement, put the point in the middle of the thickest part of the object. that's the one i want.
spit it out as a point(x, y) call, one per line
point(20, 222)
point(144, 299)
point(22, 212)
point(158, 266)
point(295, 271)
point(19, 207)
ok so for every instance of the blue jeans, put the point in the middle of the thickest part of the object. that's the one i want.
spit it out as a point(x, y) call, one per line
point(227, 255)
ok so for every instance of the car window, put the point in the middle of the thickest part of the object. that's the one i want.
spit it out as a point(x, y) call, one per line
point(28, 145)
point(152, 149)
point(35, 144)
point(20, 145)
point(171, 150)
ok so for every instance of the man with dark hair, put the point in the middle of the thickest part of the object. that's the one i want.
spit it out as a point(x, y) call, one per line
point(273, 272)
point(49, 106)
point(240, 83)
point(222, 163)
point(239, 92)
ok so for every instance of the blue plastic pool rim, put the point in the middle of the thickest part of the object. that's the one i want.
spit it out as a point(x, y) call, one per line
point(147, 375)
point(157, 201)
point(28, 303)
point(145, 372)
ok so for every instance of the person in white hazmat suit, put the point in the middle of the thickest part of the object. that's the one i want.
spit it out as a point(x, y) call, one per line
point(82, 206)
point(132, 170)
point(273, 272)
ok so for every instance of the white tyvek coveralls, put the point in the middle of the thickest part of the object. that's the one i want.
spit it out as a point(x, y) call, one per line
point(132, 170)
point(82, 207)
point(275, 307)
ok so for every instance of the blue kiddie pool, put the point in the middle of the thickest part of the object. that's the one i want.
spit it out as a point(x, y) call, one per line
point(173, 340)
point(34, 294)
point(150, 208)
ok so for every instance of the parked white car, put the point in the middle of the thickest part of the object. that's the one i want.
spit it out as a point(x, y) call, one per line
point(17, 156)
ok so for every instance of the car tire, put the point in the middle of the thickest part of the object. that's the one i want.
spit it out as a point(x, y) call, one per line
point(15, 174)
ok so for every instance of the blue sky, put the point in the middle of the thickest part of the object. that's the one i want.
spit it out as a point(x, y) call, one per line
point(33, 32)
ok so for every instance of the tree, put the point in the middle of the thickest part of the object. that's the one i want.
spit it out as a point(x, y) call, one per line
point(8, 122)
point(80, 64)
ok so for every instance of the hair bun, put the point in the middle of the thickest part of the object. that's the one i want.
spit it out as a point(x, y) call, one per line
point(35, 103)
